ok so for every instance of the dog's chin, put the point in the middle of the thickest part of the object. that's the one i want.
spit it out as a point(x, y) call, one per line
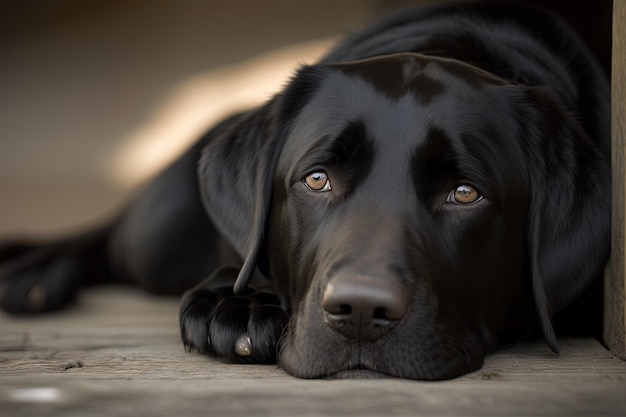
point(360, 373)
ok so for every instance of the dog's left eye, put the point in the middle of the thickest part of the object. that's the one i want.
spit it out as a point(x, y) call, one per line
point(464, 195)
point(317, 181)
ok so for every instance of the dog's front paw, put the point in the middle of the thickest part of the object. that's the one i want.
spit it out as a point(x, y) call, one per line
point(240, 329)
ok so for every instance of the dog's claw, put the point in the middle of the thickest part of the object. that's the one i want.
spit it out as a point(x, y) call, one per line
point(243, 346)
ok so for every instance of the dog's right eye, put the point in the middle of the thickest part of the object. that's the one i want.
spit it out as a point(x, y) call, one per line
point(317, 181)
point(464, 195)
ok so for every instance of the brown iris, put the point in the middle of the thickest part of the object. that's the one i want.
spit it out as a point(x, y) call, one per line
point(464, 194)
point(317, 181)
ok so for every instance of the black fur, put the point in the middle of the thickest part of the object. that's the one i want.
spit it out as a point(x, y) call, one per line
point(385, 272)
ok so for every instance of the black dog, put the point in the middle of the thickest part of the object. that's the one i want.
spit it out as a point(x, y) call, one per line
point(425, 194)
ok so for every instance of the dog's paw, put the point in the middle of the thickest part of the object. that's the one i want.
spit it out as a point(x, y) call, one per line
point(239, 329)
point(34, 279)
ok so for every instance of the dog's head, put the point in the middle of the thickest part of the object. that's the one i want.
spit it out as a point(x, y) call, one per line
point(414, 213)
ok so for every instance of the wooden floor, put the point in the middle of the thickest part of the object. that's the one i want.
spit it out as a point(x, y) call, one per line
point(118, 353)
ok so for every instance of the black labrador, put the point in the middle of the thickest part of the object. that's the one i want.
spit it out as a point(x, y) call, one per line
point(431, 190)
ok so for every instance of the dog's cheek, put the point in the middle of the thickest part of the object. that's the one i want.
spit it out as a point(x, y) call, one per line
point(294, 222)
point(484, 288)
point(505, 290)
point(278, 244)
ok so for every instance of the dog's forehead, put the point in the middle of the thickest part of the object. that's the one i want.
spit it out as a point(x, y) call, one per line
point(396, 97)
point(425, 77)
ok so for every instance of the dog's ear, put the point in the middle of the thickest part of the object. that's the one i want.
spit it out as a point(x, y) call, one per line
point(236, 169)
point(233, 183)
point(568, 229)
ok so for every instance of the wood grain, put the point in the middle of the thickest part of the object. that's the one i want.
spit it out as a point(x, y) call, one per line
point(615, 301)
point(119, 354)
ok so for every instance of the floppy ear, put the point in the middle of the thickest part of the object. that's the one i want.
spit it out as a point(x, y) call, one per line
point(236, 170)
point(568, 232)
point(234, 186)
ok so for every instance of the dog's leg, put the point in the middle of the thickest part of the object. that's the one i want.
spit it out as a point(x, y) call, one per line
point(238, 328)
point(163, 241)
point(42, 277)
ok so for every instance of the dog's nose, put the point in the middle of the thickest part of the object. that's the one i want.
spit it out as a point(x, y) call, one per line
point(360, 306)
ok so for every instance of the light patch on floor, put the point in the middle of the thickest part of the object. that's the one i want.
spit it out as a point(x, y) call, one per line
point(36, 395)
point(201, 101)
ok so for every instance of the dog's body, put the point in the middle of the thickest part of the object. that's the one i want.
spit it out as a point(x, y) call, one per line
point(422, 196)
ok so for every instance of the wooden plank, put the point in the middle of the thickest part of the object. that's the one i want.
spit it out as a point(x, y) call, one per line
point(118, 353)
point(615, 301)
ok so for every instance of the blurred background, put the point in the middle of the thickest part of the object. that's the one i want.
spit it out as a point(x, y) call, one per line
point(97, 95)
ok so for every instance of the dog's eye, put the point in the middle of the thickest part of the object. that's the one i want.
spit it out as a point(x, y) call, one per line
point(464, 194)
point(317, 181)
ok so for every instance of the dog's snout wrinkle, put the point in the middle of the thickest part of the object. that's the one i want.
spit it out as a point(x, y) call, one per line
point(363, 307)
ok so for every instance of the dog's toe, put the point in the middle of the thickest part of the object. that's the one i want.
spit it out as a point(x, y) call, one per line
point(195, 314)
point(239, 329)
